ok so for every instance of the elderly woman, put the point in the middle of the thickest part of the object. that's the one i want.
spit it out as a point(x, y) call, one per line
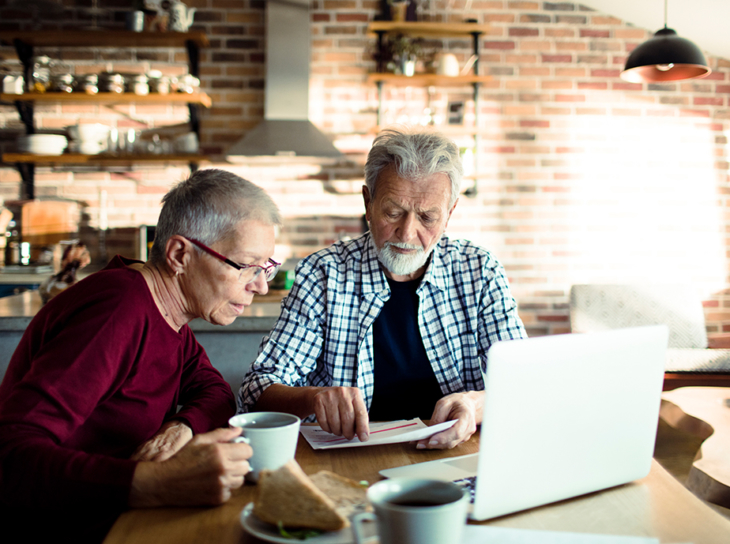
point(109, 402)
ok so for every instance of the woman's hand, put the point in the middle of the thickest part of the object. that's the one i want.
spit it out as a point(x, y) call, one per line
point(203, 472)
point(167, 442)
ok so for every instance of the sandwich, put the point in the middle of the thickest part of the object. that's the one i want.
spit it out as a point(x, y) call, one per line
point(288, 498)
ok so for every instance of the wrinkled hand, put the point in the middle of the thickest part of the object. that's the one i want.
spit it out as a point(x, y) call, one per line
point(466, 408)
point(203, 472)
point(342, 411)
point(167, 442)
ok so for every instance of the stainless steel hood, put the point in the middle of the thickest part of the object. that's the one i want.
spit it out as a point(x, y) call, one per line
point(286, 130)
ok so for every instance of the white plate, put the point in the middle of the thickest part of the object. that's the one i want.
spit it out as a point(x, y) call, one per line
point(269, 533)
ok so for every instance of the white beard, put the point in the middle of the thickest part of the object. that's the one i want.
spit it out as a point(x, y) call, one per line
point(399, 264)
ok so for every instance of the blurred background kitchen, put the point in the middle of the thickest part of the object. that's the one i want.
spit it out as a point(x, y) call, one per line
point(576, 175)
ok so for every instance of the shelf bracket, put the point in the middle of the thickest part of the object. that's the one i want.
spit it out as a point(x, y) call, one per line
point(25, 54)
point(25, 112)
point(475, 43)
point(381, 50)
point(27, 175)
point(193, 57)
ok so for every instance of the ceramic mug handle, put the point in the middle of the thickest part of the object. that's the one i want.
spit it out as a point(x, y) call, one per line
point(357, 519)
point(243, 440)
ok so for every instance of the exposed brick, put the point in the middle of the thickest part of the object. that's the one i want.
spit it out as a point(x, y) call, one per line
point(521, 32)
point(558, 6)
point(571, 19)
point(535, 18)
point(594, 85)
point(711, 101)
point(594, 33)
point(557, 58)
point(499, 45)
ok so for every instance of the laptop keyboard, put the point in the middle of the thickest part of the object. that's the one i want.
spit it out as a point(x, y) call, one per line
point(468, 484)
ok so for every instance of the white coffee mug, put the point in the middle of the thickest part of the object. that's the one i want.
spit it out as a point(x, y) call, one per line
point(273, 437)
point(415, 511)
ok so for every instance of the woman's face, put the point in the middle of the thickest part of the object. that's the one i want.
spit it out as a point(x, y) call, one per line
point(212, 288)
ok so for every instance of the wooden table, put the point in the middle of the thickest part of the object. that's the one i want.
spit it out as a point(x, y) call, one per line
point(657, 505)
point(705, 413)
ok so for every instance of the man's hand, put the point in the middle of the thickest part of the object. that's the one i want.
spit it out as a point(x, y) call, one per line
point(167, 442)
point(342, 411)
point(203, 472)
point(466, 408)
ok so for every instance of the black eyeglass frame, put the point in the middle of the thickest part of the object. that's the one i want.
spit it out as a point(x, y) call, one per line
point(269, 270)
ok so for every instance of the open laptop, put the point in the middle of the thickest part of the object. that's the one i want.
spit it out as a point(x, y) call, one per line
point(563, 416)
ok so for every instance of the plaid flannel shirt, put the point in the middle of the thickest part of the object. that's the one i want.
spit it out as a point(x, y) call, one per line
point(324, 335)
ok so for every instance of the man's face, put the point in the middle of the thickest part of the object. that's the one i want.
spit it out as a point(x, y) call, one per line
point(406, 220)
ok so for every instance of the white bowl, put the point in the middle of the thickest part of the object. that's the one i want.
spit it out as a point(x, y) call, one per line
point(94, 132)
point(42, 144)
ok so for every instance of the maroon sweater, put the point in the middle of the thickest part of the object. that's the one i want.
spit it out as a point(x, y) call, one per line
point(96, 374)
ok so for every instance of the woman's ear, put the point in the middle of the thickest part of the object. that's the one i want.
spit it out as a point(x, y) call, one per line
point(177, 254)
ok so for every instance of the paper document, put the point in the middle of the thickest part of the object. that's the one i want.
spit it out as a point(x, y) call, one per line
point(478, 534)
point(388, 432)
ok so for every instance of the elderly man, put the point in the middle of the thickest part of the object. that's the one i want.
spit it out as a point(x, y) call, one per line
point(397, 323)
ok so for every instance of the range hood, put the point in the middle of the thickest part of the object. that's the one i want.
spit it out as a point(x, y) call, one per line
point(286, 130)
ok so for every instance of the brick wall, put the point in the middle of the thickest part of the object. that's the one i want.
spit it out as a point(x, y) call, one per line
point(583, 177)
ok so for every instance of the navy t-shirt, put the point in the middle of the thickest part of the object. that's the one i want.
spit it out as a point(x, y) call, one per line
point(405, 385)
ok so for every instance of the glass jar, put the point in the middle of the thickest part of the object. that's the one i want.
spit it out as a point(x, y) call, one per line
point(40, 79)
point(110, 82)
point(62, 83)
point(139, 85)
point(160, 85)
point(188, 84)
point(88, 83)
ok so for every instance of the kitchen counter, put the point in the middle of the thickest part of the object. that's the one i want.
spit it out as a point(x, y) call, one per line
point(231, 349)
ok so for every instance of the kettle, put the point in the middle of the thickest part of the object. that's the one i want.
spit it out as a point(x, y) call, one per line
point(181, 17)
point(446, 64)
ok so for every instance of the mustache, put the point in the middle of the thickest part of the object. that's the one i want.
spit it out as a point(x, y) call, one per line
point(402, 245)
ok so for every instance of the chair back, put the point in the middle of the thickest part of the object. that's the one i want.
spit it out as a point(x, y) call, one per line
point(597, 307)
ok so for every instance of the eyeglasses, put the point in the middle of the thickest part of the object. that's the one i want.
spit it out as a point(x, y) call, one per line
point(270, 270)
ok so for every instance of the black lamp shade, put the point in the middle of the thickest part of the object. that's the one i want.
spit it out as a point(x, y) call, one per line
point(665, 57)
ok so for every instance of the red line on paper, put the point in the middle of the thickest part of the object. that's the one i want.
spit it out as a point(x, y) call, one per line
point(331, 440)
point(394, 428)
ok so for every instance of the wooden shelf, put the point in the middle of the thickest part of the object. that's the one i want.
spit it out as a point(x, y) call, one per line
point(426, 80)
point(104, 37)
point(110, 98)
point(428, 29)
point(102, 159)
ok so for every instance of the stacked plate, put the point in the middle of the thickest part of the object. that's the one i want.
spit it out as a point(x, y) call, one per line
point(42, 144)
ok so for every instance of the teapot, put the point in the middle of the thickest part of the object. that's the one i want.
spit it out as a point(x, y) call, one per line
point(181, 17)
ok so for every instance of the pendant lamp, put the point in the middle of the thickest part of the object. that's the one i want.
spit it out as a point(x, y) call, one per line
point(665, 57)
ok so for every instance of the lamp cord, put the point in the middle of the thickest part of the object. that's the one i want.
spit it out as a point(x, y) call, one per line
point(665, 13)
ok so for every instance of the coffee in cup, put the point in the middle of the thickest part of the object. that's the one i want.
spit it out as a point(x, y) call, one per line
point(415, 511)
point(272, 436)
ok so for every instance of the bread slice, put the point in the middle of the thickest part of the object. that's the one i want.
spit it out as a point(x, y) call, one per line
point(325, 501)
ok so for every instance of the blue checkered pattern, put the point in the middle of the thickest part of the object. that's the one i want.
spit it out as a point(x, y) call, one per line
point(324, 335)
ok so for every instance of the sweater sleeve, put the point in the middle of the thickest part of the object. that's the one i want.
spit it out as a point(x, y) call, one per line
point(50, 391)
point(206, 398)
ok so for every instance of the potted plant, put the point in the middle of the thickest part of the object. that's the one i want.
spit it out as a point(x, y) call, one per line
point(405, 51)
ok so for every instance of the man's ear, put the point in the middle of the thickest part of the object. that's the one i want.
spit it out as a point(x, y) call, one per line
point(177, 253)
point(367, 200)
point(450, 212)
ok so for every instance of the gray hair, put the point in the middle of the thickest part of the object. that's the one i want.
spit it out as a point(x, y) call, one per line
point(416, 153)
point(208, 206)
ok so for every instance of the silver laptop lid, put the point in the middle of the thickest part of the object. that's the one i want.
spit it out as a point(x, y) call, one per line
point(567, 415)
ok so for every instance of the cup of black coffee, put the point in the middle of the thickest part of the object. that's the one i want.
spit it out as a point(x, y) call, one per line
point(415, 511)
